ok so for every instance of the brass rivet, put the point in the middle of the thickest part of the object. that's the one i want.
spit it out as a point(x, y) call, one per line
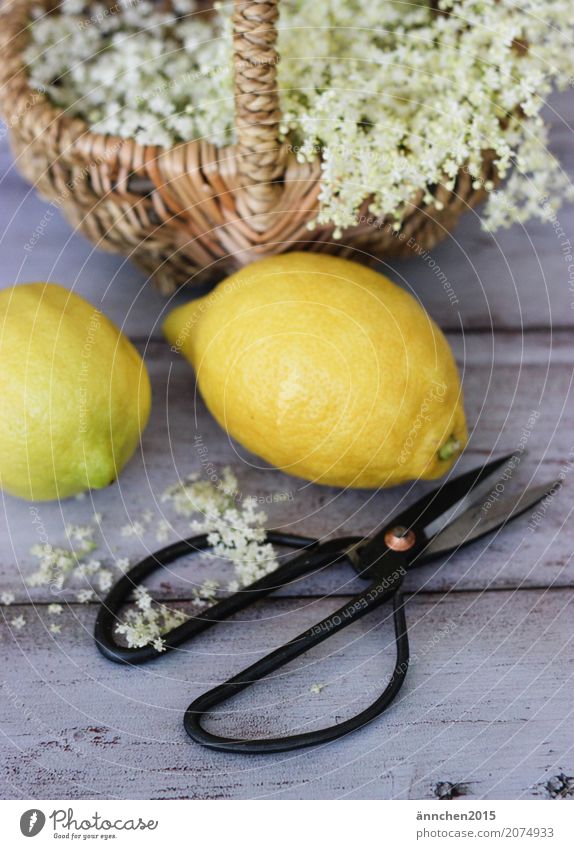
point(399, 539)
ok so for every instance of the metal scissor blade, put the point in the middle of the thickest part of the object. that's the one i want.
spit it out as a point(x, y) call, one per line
point(482, 487)
point(482, 519)
point(440, 507)
point(431, 513)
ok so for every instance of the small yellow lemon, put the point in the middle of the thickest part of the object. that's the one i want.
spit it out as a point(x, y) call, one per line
point(74, 394)
point(327, 370)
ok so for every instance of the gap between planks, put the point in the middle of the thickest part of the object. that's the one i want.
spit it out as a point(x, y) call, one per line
point(408, 594)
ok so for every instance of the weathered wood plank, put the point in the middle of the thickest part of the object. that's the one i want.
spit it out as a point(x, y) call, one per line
point(486, 705)
point(518, 394)
point(516, 278)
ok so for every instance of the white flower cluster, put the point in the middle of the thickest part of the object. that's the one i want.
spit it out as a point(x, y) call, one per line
point(395, 96)
point(146, 624)
point(57, 566)
point(235, 528)
point(235, 531)
point(192, 495)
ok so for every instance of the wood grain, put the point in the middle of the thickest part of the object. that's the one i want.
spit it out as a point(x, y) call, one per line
point(485, 705)
point(518, 393)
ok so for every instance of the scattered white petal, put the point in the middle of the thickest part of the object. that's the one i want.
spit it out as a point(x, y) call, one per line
point(55, 565)
point(105, 580)
point(133, 529)
point(207, 591)
point(85, 596)
point(163, 530)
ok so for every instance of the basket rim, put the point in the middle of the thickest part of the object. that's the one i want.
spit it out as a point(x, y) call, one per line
point(32, 108)
point(37, 106)
point(31, 115)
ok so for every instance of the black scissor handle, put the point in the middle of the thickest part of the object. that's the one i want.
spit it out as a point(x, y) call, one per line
point(315, 555)
point(361, 604)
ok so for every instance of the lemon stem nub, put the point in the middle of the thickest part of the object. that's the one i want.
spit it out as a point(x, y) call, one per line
point(451, 446)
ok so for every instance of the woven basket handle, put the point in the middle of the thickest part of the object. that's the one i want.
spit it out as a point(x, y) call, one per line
point(260, 156)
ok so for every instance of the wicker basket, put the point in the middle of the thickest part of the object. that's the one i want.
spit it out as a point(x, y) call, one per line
point(197, 211)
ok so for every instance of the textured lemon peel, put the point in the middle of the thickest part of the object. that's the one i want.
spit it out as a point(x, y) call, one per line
point(263, 353)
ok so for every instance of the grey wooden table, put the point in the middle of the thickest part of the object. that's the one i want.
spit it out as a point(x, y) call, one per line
point(487, 710)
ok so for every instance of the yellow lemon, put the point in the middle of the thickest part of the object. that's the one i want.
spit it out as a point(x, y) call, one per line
point(327, 370)
point(74, 394)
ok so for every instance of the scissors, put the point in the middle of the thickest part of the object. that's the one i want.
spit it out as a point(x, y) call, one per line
point(460, 511)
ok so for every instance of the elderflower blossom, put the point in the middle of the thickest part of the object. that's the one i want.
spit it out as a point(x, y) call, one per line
point(393, 97)
point(105, 580)
point(206, 592)
point(133, 529)
point(82, 534)
point(162, 530)
point(123, 564)
point(238, 536)
point(18, 622)
point(193, 495)
point(147, 625)
point(85, 596)
point(56, 565)
point(235, 531)
point(89, 569)
point(142, 598)
point(139, 526)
